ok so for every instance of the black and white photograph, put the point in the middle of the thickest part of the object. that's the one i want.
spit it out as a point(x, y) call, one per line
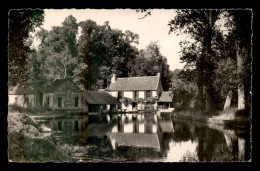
point(129, 85)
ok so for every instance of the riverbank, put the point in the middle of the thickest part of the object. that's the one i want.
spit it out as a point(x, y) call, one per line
point(230, 118)
point(29, 141)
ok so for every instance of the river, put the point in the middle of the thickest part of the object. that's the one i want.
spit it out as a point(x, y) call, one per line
point(149, 137)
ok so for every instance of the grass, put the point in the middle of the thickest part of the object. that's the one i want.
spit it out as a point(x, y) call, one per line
point(190, 116)
point(220, 117)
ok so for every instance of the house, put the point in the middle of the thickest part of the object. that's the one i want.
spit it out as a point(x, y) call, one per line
point(27, 94)
point(61, 94)
point(165, 99)
point(148, 88)
point(99, 101)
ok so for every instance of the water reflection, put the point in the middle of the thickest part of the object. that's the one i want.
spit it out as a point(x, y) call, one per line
point(151, 137)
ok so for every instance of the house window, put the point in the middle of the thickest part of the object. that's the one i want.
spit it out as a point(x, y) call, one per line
point(135, 94)
point(148, 94)
point(48, 101)
point(59, 125)
point(76, 101)
point(59, 101)
point(76, 125)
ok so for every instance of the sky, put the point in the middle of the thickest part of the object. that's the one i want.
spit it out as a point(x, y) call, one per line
point(151, 28)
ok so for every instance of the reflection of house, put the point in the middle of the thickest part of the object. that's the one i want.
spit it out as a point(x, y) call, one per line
point(134, 140)
point(166, 126)
point(99, 101)
point(60, 94)
point(143, 131)
point(145, 87)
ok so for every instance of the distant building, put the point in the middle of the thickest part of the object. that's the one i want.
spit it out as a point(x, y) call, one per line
point(165, 100)
point(62, 94)
point(99, 101)
point(145, 87)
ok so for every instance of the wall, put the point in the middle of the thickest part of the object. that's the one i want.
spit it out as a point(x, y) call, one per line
point(154, 93)
point(141, 94)
point(20, 100)
point(128, 94)
point(63, 96)
point(44, 101)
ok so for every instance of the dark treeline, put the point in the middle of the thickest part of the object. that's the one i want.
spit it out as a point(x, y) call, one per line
point(217, 64)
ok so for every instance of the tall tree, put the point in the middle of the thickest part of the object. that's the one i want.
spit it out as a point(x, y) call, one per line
point(149, 62)
point(105, 51)
point(200, 25)
point(241, 36)
point(20, 24)
point(57, 55)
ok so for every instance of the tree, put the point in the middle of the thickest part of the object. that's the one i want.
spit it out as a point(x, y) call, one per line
point(149, 62)
point(106, 51)
point(57, 55)
point(243, 32)
point(200, 25)
point(20, 24)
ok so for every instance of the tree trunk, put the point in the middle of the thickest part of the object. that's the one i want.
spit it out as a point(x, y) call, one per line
point(208, 63)
point(208, 91)
point(228, 100)
point(199, 103)
point(241, 92)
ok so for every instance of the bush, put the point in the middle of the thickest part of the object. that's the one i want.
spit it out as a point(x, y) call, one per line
point(26, 145)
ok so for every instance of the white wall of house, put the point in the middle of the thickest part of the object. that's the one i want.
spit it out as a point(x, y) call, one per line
point(129, 94)
point(154, 93)
point(20, 100)
point(141, 94)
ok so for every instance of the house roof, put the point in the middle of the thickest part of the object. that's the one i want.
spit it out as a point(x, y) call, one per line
point(136, 83)
point(57, 86)
point(135, 140)
point(42, 85)
point(28, 88)
point(166, 96)
point(99, 97)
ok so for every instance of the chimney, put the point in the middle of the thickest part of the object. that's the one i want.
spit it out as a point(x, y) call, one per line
point(114, 78)
point(158, 74)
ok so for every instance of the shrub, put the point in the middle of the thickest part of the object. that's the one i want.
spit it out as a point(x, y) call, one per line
point(26, 145)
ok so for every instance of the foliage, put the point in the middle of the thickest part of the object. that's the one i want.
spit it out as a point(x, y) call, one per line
point(139, 100)
point(151, 100)
point(20, 24)
point(57, 55)
point(149, 62)
point(106, 51)
point(211, 56)
point(189, 157)
point(126, 101)
point(184, 89)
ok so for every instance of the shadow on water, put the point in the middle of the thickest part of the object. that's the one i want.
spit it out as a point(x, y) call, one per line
point(149, 137)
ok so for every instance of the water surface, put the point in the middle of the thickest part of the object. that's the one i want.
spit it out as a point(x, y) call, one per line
point(149, 137)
